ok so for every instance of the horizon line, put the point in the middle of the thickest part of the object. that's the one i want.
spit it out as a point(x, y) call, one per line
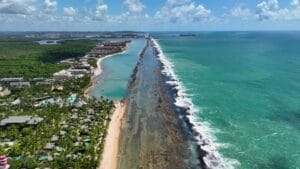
point(87, 31)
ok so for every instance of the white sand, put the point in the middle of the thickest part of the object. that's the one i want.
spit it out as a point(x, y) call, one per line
point(111, 147)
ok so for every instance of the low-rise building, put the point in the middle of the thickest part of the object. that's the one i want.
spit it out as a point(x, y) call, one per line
point(28, 120)
point(21, 85)
point(62, 75)
point(37, 79)
point(78, 71)
point(51, 101)
point(43, 83)
point(54, 138)
point(12, 79)
point(82, 66)
point(49, 146)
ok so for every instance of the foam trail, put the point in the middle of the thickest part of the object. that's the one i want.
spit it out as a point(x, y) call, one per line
point(203, 133)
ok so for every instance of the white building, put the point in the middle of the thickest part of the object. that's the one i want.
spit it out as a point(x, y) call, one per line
point(62, 75)
point(14, 79)
point(19, 84)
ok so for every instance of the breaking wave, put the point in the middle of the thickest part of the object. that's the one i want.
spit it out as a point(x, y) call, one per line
point(203, 133)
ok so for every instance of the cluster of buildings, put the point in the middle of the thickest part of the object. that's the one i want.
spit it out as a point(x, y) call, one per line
point(106, 48)
point(83, 124)
point(18, 82)
point(83, 118)
point(79, 68)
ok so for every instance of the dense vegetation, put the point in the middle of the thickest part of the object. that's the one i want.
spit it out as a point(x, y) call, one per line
point(28, 150)
point(82, 141)
point(23, 57)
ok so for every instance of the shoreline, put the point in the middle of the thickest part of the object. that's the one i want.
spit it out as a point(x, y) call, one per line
point(97, 72)
point(209, 157)
point(109, 157)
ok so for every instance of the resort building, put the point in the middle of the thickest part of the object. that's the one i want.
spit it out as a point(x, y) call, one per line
point(37, 79)
point(21, 85)
point(66, 74)
point(78, 71)
point(62, 75)
point(82, 66)
point(50, 101)
point(108, 48)
point(14, 79)
point(28, 120)
point(43, 83)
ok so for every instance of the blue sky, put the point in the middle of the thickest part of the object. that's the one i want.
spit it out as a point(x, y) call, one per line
point(149, 15)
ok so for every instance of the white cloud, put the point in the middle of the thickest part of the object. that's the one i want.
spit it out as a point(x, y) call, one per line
point(177, 2)
point(240, 12)
point(190, 12)
point(267, 9)
point(134, 6)
point(270, 10)
point(24, 7)
point(101, 9)
point(295, 2)
point(50, 5)
point(70, 13)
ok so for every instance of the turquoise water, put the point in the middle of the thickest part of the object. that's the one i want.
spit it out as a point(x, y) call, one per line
point(112, 83)
point(246, 85)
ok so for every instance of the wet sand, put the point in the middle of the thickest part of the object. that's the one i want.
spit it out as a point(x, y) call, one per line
point(153, 135)
point(110, 153)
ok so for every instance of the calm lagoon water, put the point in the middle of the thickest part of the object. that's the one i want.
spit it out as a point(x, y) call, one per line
point(113, 81)
point(246, 85)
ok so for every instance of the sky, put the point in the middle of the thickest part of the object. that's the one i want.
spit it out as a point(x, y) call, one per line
point(149, 15)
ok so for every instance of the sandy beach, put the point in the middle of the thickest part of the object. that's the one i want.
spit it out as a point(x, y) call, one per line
point(111, 148)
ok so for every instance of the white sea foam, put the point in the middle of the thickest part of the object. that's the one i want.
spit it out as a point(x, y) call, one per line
point(205, 137)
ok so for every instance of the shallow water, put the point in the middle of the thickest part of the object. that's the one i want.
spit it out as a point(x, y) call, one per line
point(246, 85)
point(153, 136)
point(113, 81)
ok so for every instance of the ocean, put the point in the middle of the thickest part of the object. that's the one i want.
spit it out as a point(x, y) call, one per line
point(244, 88)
